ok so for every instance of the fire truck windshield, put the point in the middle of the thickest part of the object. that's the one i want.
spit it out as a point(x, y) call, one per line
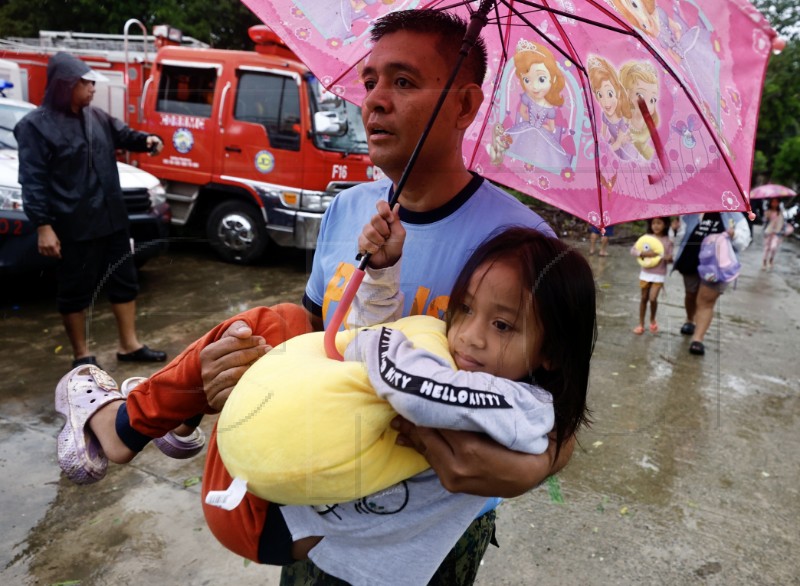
point(353, 138)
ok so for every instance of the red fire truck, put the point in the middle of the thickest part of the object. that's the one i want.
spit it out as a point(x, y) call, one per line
point(255, 147)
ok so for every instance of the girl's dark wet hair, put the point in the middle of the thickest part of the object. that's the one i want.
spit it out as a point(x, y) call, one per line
point(667, 221)
point(564, 303)
point(450, 29)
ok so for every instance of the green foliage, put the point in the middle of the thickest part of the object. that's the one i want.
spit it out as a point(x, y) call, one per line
point(786, 170)
point(220, 23)
point(760, 164)
point(779, 117)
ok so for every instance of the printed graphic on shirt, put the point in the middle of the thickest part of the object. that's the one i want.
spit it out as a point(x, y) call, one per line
point(421, 303)
point(386, 502)
point(389, 501)
point(430, 389)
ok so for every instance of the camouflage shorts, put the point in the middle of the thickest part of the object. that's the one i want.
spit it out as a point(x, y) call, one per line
point(459, 568)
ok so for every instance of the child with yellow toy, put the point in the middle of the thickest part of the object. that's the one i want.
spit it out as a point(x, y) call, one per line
point(653, 251)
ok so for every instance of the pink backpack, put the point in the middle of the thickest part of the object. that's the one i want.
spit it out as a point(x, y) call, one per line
point(718, 262)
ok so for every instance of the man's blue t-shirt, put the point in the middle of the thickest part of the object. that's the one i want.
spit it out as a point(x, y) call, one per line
point(438, 243)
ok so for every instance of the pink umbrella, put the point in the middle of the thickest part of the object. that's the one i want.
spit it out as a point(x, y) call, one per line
point(648, 107)
point(771, 190)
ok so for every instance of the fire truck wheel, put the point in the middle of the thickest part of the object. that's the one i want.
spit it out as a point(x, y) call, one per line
point(237, 232)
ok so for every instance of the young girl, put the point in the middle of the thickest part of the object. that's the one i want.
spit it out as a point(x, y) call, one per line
point(774, 230)
point(651, 280)
point(521, 326)
point(615, 106)
point(535, 138)
point(639, 78)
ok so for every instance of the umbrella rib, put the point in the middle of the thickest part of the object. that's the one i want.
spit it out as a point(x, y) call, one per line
point(551, 10)
point(532, 26)
point(500, 33)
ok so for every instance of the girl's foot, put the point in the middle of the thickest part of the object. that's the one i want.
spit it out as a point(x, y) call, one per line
point(603, 253)
point(638, 330)
point(653, 327)
point(79, 396)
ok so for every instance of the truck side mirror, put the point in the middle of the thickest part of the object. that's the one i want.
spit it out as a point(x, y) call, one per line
point(329, 123)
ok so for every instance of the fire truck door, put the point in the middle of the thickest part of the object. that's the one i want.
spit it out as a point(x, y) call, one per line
point(183, 117)
point(262, 135)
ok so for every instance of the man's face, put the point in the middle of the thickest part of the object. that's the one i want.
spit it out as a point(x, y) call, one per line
point(82, 94)
point(404, 76)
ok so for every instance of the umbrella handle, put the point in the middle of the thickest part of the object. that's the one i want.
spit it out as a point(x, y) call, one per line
point(338, 315)
point(651, 127)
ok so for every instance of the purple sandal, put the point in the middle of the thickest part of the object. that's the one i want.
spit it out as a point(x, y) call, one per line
point(172, 445)
point(80, 394)
point(181, 447)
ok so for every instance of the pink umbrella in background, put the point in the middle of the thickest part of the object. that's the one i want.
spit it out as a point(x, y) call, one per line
point(771, 190)
point(612, 110)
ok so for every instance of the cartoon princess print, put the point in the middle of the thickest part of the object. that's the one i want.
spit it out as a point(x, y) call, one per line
point(640, 79)
point(535, 137)
point(615, 106)
point(689, 47)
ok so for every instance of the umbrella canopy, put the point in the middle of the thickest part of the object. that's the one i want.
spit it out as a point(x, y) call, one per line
point(612, 110)
point(771, 190)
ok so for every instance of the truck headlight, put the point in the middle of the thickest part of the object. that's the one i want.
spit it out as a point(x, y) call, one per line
point(10, 198)
point(287, 199)
point(316, 202)
point(157, 194)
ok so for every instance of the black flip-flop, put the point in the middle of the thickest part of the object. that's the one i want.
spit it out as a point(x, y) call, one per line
point(143, 354)
point(687, 329)
point(697, 348)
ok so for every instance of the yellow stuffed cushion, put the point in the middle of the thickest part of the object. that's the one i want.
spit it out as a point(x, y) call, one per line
point(301, 428)
point(649, 243)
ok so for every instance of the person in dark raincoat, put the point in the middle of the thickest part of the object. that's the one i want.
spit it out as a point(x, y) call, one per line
point(71, 193)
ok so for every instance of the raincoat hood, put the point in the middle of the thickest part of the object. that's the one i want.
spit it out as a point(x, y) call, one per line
point(63, 72)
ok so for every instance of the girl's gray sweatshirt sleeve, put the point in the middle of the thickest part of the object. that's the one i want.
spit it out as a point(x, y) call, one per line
point(378, 300)
point(427, 391)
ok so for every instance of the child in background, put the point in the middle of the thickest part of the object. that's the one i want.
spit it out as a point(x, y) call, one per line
point(774, 230)
point(594, 234)
point(651, 280)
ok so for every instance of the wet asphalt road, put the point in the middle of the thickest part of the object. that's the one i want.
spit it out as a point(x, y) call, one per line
point(689, 475)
